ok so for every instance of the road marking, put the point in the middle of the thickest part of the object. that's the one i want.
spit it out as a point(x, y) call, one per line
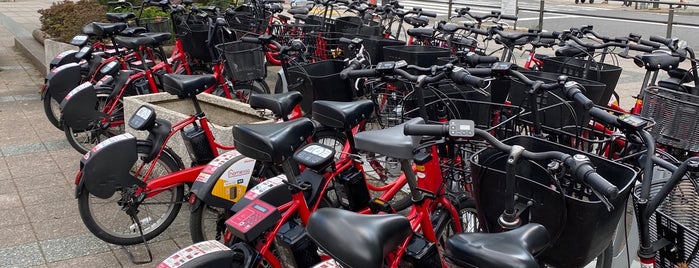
point(551, 17)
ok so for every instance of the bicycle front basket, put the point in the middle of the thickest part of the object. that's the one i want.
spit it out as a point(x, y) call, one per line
point(583, 221)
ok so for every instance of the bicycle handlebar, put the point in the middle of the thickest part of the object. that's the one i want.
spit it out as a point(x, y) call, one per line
point(579, 165)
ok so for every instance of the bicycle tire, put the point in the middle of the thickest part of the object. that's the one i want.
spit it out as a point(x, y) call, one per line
point(242, 90)
point(83, 141)
point(201, 217)
point(52, 110)
point(91, 215)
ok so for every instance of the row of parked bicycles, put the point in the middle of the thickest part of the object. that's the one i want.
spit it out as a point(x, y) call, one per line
point(430, 146)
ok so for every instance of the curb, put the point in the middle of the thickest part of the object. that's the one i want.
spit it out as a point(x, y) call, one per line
point(33, 50)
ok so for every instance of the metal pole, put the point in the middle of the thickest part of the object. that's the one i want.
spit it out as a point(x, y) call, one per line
point(670, 17)
point(541, 15)
point(451, 2)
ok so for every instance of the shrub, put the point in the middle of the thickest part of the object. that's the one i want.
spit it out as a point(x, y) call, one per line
point(65, 19)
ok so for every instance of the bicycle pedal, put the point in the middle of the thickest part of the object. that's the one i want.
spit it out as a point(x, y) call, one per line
point(377, 206)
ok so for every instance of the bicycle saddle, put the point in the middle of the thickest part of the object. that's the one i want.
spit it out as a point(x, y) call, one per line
point(357, 240)
point(417, 21)
point(133, 42)
point(120, 17)
point(659, 61)
point(187, 85)
point(421, 32)
point(88, 29)
point(390, 142)
point(342, 115)
point(108, 29)
point(280, 104)
point(298, 10)
point(158, 37)
point(513, 248)
point(133, 31)
point(272, 142)
point(450, 28)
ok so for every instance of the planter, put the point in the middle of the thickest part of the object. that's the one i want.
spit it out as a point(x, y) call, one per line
point(222, 114)
point(53, 48)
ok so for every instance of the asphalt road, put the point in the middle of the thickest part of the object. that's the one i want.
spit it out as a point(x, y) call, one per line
point(564, 14)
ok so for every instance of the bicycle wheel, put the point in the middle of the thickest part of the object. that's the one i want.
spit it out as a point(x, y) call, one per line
point(52, 110)
point(82, 141)
point(242, 90)
point(106, 218)
point(208, 223)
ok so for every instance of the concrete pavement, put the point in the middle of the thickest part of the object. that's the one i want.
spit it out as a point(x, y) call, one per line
point(39, 221)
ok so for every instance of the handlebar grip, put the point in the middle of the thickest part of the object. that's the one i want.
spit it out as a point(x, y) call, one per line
point(360, 73)
point(649, 43)
point(603, 116)
point(573, 92)
point(661, 40)
point(465, 78)
point(508, 17)
point(590, 177)
point(480, 72)
point(428, 14)
point(476, 59)
point(641, 48)
point(425, 130)
point(275, 1)
point(345, 40)
point(247, 39)
point(344, 74)
point(550, 35)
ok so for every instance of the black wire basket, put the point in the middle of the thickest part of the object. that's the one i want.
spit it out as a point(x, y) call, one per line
point(555, 111)
point(319, 81)
point(193, 38)
point(676, 115)
point(244, 61)
point(675, 221)
point(604, 73)
point(579, 220)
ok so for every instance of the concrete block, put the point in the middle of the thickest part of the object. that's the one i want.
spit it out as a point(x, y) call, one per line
point(221, 113)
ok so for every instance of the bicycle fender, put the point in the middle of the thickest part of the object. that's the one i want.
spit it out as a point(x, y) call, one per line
point(62, 80)
point(107, 167)
point(65, 57)
point(203, 254)
point(78, 107)
point(224, 180)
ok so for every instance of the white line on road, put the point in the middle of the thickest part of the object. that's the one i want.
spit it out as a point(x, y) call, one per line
point(610, 19)
point(551, 17)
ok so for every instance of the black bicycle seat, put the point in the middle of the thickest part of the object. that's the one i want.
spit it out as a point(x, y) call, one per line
point(272, 142)
point(515, 248)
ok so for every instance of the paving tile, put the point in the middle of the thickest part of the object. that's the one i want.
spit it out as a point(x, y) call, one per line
point(46, 194)
point(32, 164)
point(31, 183)
point(55, 145)
point(160, 250)
point(106, 259)
point(53, 211)
point(13, 216)
point(10, 150)
point(19, 234)
point(21, 256)
point(58, 228)
point(10, 200)
point(72, 247)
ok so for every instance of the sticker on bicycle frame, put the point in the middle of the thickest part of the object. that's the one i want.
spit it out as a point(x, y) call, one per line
point(78, 89)
point(234, 181)
point(265, 186)
point(192, 252)
point(219, 161)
